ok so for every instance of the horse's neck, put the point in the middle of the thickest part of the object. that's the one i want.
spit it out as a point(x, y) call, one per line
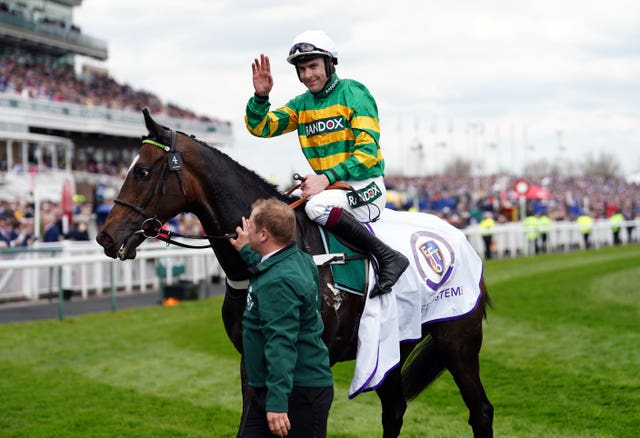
point(227, 191)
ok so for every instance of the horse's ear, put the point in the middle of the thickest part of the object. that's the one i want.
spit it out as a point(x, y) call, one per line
point(156, 130)
point(153, 128)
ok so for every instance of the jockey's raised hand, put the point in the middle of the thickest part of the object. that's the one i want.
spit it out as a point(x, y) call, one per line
point(262, 79)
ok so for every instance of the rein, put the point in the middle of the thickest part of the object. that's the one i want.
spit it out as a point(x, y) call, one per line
point(152, 226)
point(338, 185)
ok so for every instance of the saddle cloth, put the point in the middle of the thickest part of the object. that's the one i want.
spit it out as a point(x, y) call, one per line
point(443, 282)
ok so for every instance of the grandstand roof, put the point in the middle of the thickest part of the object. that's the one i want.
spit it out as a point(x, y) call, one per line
point(55, 37)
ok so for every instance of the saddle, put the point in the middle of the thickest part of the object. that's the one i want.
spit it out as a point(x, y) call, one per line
point(349, 267)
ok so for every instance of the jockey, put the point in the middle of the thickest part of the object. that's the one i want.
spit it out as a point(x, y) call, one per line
point(338, 130)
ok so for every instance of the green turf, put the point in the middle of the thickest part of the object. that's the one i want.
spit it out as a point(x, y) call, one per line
point(561, 358)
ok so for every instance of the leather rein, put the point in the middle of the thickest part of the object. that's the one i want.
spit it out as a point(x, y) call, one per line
point(152, 226)
point(295, 204)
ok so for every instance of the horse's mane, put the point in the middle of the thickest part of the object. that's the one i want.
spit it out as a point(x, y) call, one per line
point(246, 174)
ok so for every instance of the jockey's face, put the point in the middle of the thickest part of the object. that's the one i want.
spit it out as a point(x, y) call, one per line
point(312, 73)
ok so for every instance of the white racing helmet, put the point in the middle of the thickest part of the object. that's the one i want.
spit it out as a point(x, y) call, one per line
point(311, 44)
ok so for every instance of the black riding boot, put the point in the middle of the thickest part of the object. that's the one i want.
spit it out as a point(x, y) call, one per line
point(391, 263)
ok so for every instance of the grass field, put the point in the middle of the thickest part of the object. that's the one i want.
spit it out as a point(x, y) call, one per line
point(561, 358)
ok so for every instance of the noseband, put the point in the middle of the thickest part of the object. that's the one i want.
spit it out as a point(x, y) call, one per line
point(152, 226)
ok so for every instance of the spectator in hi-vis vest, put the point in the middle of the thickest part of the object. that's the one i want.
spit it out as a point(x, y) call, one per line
point(544, 226)
point(616, 221)
point(531, 230)
point(585, 223)
point(486, 229)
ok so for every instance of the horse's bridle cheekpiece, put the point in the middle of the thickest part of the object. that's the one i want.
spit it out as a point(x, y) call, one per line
point(152, 226)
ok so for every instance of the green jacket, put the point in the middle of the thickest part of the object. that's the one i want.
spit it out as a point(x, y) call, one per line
point(338, 128)
point(282, 326)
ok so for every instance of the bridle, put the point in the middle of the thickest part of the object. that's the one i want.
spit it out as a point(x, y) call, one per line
point(152, 226)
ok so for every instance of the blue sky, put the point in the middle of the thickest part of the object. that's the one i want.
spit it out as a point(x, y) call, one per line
point(501, 83)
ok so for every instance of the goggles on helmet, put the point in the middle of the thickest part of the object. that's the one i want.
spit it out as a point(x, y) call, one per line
point(305, 48)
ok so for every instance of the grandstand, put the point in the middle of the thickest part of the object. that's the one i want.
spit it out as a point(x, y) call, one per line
point(57, 115)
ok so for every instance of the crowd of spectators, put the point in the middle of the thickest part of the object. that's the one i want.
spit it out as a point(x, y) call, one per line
point(460, 201)
point(463, 200)
point(17, 226)
point(113, 168)
point(17, 221)
point(36, 75)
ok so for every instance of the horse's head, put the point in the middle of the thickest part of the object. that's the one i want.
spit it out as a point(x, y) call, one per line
point(153, 192)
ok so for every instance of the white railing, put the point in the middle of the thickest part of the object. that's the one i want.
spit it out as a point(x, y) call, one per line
point(82, 267)
point(510, 239)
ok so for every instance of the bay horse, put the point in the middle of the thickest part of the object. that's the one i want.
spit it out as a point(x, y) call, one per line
point(174, 173)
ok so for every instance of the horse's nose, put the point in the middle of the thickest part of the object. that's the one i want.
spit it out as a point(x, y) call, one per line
point(104, 239)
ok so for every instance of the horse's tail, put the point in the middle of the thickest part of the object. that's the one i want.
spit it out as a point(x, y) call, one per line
point(421, 368)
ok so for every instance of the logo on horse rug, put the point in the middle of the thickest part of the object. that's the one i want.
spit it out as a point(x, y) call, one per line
point(434, 258)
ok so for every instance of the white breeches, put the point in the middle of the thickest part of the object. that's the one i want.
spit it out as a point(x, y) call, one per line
point(371, 191)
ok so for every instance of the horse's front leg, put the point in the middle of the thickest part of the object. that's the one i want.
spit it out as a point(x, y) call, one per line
point(244, 387)
point(235, 300)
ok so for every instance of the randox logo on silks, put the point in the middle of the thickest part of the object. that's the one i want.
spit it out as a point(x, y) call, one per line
point(324, 126)
point(364, 196)
point(434, 258)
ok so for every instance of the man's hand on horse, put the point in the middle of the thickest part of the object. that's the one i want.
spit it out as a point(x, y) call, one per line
point(243, 235)
point(262, 79)
point(314, 184)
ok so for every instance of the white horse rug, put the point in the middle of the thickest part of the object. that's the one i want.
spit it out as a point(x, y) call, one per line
point(443, 282)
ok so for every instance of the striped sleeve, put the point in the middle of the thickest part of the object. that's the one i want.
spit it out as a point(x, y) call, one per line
point(264, 123)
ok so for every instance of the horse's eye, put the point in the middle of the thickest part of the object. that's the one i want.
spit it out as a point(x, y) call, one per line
point(141, 172)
